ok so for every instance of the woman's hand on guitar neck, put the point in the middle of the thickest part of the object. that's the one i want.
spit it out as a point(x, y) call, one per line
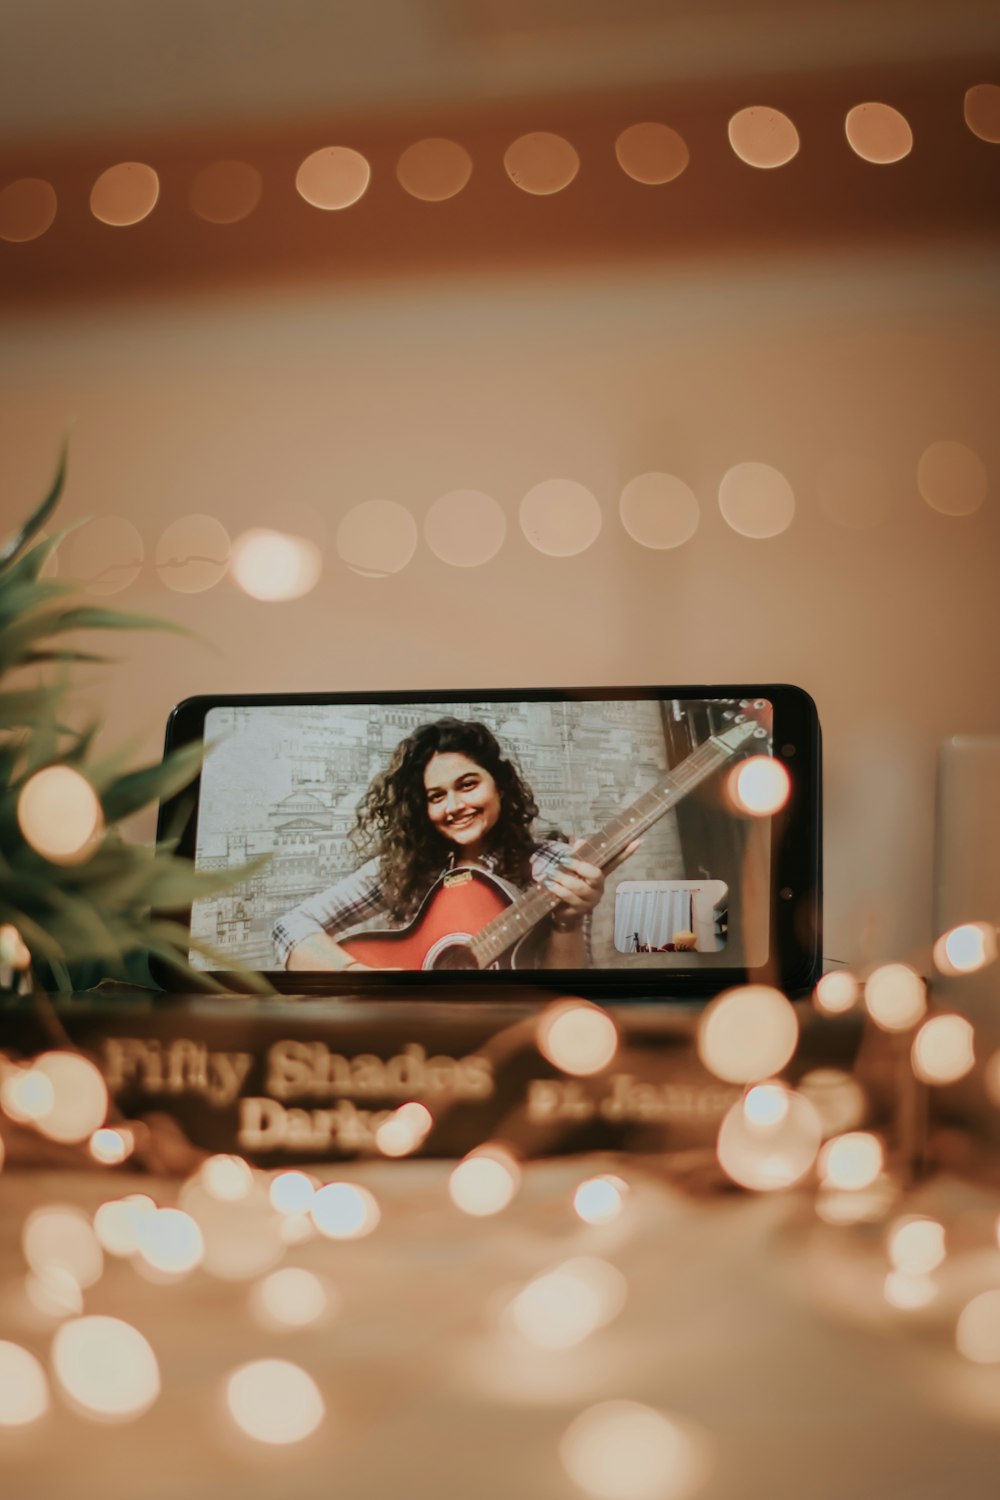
point(579, 884)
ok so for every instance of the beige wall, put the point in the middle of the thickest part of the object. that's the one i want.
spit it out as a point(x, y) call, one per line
point(289, 409)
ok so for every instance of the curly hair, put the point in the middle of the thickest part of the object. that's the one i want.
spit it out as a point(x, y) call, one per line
point(392, 820)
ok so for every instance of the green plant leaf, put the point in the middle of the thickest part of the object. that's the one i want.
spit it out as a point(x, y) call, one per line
point(36, 521)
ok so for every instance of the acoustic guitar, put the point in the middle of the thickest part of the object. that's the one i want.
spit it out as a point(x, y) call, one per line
point(471, 919)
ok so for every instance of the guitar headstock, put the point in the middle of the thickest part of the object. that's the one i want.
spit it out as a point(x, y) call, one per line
point(744, 721)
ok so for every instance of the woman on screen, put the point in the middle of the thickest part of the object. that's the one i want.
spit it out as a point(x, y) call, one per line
point(448, 798)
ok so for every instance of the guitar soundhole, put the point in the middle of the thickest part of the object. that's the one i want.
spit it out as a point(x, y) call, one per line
point(456, 955)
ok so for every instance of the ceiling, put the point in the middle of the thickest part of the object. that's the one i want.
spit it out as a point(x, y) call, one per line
point(72, 71)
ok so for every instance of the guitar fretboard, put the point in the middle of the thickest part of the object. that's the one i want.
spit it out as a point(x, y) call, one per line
point(528, 909)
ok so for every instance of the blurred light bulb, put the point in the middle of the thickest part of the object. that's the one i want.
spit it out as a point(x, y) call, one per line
point(896, 997)
point(909, 1291)
point(24, 1391)
point(171, 1241)
point(227, 1178)
point(977, 1334)
point(747, 1034)
point(562, 1307)
point(485, 1182)
point(766, 1105)
point(577, 1038)
point(62, 1237)
point(292, 1192)
point(13, 950)
point(759, 786)
point(599, 1200)
point(964, 949)
point(851, 1161)
point(59, 814)
point(55, 1292)
point(271, 566)
point(404, 1130)
point(274, 1401)
point(943, 1050)
point(772, 1158)
point(916, 1245)
point(26, 1095)
point(79, 1097)
point(344, 1211)
point(290, 1298)
point(836, 992)
point(621, 1450)
point(111, 1146)
point(117, 1222)
point(106, 1367)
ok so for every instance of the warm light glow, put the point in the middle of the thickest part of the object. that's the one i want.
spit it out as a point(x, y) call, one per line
point(290, 1298)
point(566, 1305)
point(465, 528)
point(59, 814)
point(952, 479)
point(977, 1334)
point(227, 1178)
point(170, 1241)
point(599, 1200)
point(117, 1223)
point(79, 1097)
point(577, 1038)
point(838, 1097)
point(621, 1450)
point(768, 1157)
point(758, 786)
point(344, 1211)
point(274, 1401)
point(763, 137)
point(24, 1391)
point(295, 1229)
point(124, 194)
point(292, 1192)
point(106, 554)
point(747, 1034)
point(943, 1050)
point(851, 1161)
point(193, 554)
point(982, 111)
point(895, 996)
point(226, 192)
point(242, 1235)
point(964, 949)
point(404, 1130)
point(14, 952)
point(111, 1147)
point(484, 1182)
point(27, 209)
point(659, 511)
point(909, 1292)
point(541, 163)
point(106, 1367)
point(55, 1292)
point(333, 177)
point(434, 169)
point(560, 517)
point(651, 153)
point(273, 567)
point(878, 133)
point(756, 500)
point(26, 1095)
point(377, 538)
point(844, 1206)
point(837, 992)
point(766, 1105)
point(916, 1245)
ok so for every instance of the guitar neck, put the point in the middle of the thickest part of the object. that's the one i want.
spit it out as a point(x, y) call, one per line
point(605, 846)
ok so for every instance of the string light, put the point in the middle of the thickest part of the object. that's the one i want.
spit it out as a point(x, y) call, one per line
point(837, 992)
point(59, 814)
point(916, 1245)
point(943, 1050)
point(344, 1211)
point(564, 1306)
point(117, 1223)
point(404, 1130)
point(292, 1192)
point(577, 1038)
point(895, 996)
point(966, 948)
point(291, 1298)
point(747, 1034)
point(111, 1147)
point(62, 1237)
point(274, 1401)
point(170, 1241)
point(758, 786)
point(24, 1391)
point(106, 1368)
point(772, 1154)
point(227, 1178)
point(852, 1161)
point(600, 1200)
point(622, 1450)
point(977, 1333)
point(484, 1182)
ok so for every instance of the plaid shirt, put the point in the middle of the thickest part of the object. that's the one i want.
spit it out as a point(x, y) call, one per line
point(357, 901)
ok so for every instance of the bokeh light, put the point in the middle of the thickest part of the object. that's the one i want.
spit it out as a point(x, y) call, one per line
point(291, 1297)
point(838, 1097)
point(227, 1178)
point(982, 111)
point(105, 1367)
point(878, 133)
point(766, 1105)
point(14, 950)
point(26, 1094)
point(966, 948)
point(484, 1182)
point(59, 814)
point(332, 178)
point(541, 163)
point(747, 1034)
point(62, 1238)
point(952, 478)
point(852, 1161)
point(908, 1291)
point(763, 137)
point(106, 555)
point(404, 1130)
point(756, 500)
point(560, 517)
point(273, 567)
point(943, 1050)
point(111, 1146)
point(79, 1097)
point(377, 538)
point(622, 1450)
point(117, 1223)
point(837, 992)
point(24, 1391)
point(600, 1200)
point(27, 209)
point(651, 153)
point(344, 1211)
point(465, 528)
point(434, 169)
point(895, 996)
point(125, 194)
point(242, 1235)
point(226, 192)
point(768, 1157)
point(659, 511)
point(274, 1401)
point(977, 1333)
point(55, 1292)
point(193, 554)
point(758, 786)
point(170, 1241)
point(916, 1245)
point(565, 1305)
point(292, 1192)
point(577, 1037)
